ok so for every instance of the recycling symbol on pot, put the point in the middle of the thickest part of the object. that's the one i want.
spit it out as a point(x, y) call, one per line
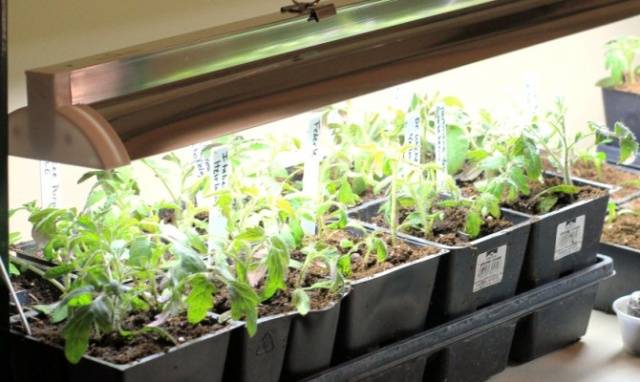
point(266, 344)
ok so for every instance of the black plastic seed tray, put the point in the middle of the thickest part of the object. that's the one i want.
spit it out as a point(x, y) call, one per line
point(441, 346)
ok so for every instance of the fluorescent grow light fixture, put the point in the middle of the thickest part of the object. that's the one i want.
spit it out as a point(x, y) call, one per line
point(106, 110)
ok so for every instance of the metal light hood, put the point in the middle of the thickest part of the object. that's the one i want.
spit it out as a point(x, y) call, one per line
point(106, 110)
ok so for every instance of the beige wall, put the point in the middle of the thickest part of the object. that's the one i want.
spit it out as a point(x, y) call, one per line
point(46, 32)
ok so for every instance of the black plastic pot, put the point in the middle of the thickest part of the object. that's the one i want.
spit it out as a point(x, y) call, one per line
point(623, 107)
point(492, 324)
point(472, 276)
point(386, 307)
point(202, 359)
point(563, 241)
point(553, 327)
point(626, 279)
point(311, 341)
point(259, 358)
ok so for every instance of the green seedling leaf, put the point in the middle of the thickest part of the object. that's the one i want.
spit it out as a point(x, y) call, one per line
point(301, 301)
point(200, 299)
point(58, 271)
point(14, 238)
point(346, 195)
point(13, 270)
point(346, 244)
point(628, 150)
point(254, 234)
point(457, 148)
point(344, 265)
point(140, 252)
point(546, 203)
point(358, 185)
point(473, 224)
point(244, 304)
point(380, 248)
point(76, 334)
point(277, 263)
point(78, 329)
point(493, 162)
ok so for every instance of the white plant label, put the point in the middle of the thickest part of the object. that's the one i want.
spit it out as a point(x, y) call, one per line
point(311, 179)
point(569, 236)
point(201, 164)
point(219, 173)
point(490, 268)
point(412, 137)
point(49, 184)
point(441, 144)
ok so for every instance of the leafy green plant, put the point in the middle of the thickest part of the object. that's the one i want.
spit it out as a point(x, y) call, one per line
point(562, 148)
point(117, 257)
point(621, 57)
point(507, 166)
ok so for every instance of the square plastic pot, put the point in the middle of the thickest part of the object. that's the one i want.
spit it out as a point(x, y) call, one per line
point(311, 341)
point(386, 307)
point(625, 107)
point(563, 241)
point(622, 106)
point(200, 360)
point(626, 260)
point(259, 358)
point(470, 277)
point(553, 327)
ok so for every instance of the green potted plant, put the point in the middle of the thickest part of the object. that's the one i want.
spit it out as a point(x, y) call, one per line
point(621, 88)
point(128, 281)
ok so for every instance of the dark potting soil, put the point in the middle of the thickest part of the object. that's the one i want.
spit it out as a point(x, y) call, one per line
point(281, 302)
point(39, 290)
point(609, 175)
point(527, 203)
point(450, 230)
point(118, 349)
point(399, 254)
point(625, 230)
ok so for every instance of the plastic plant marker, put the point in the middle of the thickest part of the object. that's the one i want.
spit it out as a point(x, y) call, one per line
point(311, 179)
point(412, 136)
point(219, 172)
point(14, 297)
point(201, 164)
point(49, 184)
point(441, 145)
